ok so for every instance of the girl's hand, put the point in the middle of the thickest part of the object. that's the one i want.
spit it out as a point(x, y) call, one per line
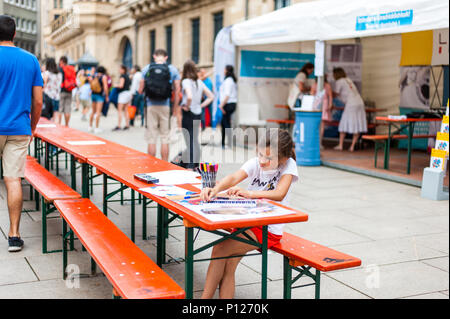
point(207, 194)
point(244, 193)
point(223, 111)
point(233, 191)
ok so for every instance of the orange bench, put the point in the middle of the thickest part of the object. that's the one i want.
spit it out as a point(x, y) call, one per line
point(302, 255)
point(131, 272)
point(50, 188)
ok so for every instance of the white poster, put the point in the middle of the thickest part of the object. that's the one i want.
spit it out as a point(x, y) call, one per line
point(415, 87)
point(348, 57)
point(224, 54)
point(440, 47)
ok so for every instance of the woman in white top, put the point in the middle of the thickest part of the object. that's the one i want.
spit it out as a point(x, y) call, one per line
point(301, 80)
point(228, 100)
point(353, 120)
point(52, 88)
point(193, 90)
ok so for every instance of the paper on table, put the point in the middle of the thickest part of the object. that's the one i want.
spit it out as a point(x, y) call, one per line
point(85, 142)
point(176, 177)
point(167, 190)
point(46, 125)
point(225, 213)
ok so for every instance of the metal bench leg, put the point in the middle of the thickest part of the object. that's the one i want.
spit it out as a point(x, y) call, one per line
point(64, 248)
point(287, 278)
point(317, 279)
point(44, 225)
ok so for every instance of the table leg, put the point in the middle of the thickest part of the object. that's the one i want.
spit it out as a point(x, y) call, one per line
point(264, 263)
point(85, 180)
point(189, 262)
point(73, 172)
point(105, 193)
point(410, 135)
point(133, 212)
point(144, 218)
point(160, 236)
point(387, 149)
point(47, 157)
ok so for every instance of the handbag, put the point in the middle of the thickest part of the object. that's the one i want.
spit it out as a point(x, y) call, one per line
point(294, 93)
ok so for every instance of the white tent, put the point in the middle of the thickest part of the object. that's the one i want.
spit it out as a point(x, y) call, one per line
point(342, 19)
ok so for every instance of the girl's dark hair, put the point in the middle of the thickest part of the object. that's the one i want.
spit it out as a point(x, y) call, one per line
point(190, 71)
point(281, 139)
point(339, 73)
point(123, 67)
point(229, 72)
point(101, 69)
point(306, 66)
point(50, 65)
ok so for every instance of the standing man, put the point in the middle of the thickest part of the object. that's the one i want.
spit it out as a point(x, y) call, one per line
point(20, 108)
point(69, 83)
point(159, 79)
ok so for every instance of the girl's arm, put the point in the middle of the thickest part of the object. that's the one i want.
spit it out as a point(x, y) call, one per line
point(277, 194)
point(188, 92)
point(121, 83)
point(229, 181)
point(105, 88)
point(209, 97)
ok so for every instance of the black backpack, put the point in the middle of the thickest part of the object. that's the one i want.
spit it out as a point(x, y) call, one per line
point(157, 82)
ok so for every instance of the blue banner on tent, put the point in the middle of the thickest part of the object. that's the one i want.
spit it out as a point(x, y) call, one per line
point(384, 20)
point(264, 64)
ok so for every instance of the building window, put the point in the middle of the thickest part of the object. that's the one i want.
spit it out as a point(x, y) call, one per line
point(127, 59)
point(218, 25)
point(282, 3)
point(152, 44)
point(195, 40)
point(169, 43)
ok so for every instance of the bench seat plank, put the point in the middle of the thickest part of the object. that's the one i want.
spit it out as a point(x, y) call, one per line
point(131, 272)
point(48, 185)
point(320, 257)
point(394, 137)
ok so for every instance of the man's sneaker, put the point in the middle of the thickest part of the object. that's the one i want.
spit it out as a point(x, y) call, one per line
point(15, 244)
point(90, 129)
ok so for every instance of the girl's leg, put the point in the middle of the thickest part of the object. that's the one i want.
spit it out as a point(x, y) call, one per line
point(98, 114)
point(91, 118)
point(120, 107)
point(354, 140)
point(127, 116)
point(340, 147)
point(221, 271)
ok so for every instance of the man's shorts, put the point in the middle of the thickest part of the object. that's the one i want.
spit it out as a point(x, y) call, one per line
point(86, 104)
point(13, 152)
point(157, 124)
point(65, 103)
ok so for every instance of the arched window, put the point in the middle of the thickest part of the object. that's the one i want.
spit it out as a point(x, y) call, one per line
point(127, 58)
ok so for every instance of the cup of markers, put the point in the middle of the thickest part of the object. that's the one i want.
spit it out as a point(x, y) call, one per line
point(208, 173)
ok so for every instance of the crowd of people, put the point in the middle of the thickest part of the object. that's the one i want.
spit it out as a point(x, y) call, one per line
point(164, 98)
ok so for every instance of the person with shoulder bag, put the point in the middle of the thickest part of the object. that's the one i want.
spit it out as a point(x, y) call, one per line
point(99, 88)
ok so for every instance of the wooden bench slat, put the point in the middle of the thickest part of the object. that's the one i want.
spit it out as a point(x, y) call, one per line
point(395, 137)
point(320, 257)
point(131, 272)
point(48, 185)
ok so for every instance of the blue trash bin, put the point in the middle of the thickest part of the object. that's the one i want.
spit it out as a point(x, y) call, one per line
point(307, 138)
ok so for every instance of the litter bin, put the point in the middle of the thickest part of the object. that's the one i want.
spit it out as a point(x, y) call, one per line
point(307, 137)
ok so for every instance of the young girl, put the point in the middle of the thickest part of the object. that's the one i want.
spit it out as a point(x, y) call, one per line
point(271, 175)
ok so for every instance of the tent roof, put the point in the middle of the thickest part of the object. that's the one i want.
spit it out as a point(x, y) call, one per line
point(87, 58)
point(342, 19)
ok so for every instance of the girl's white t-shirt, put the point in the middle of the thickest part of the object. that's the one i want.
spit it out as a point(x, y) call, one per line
point(228, 88)
point(260, 180)
point(197, 89)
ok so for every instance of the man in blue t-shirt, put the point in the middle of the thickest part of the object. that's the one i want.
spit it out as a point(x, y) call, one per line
point(20, 108)
point(158, 110)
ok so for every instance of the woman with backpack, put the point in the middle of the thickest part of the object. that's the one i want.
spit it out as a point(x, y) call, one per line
point(124, 98)
point(52, 89)
point(99, 88)
point(193, 90)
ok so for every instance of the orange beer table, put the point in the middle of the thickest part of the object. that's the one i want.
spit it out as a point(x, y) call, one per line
point(409, 125)
point(115, 168)
point(80, 145)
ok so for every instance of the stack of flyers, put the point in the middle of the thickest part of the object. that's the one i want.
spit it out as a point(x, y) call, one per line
point(438, 159)
point(444, 125)
point(442, 142)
